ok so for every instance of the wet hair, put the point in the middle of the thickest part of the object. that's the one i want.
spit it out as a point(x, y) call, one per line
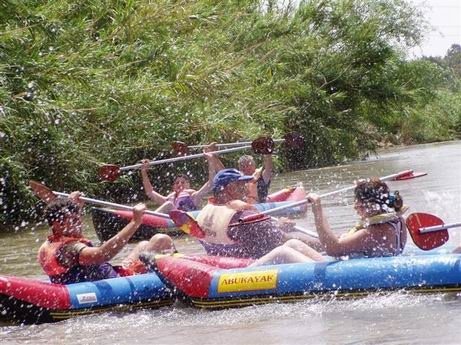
point(184, 176)
point(245, 159)
point(375, 195)
point(59, 208)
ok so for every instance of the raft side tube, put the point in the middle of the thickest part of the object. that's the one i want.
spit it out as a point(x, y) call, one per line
point(40, 293)
point(203, 282)
point(122, 290)
point(388, 273)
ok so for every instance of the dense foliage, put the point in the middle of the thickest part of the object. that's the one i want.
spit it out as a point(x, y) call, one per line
point(87, 82)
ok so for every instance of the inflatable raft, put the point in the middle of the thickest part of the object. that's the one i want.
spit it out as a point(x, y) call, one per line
point(107, 222)
point(213, 282)
point(27, 301)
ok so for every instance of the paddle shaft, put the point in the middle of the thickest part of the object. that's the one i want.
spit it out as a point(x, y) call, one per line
point(183, 158)
point(304, 231)
point(435, 228)
point(238, 143)
point(111, 204)
point(305, 201)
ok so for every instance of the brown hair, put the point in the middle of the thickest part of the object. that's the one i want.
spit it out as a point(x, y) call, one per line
point(59, 208)
point(375, 194)
point(184, 176)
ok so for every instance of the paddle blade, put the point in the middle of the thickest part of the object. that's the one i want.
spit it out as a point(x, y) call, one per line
point(263, 145)
point(409, 175)
point(180, 148)
point(294, 141)
point(42, 191)
point(253, 218)
point(109, 172)
point(430, 240)
point(187, 223)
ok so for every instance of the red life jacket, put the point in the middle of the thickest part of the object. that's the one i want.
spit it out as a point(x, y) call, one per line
point(48, 252)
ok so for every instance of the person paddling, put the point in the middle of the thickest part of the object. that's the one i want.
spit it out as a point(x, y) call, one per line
point(182, 197)
point(258, 187)
point(68, 257)
point(219, 219)
point(380, 232)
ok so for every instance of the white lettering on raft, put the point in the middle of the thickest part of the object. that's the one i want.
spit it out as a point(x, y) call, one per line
point(86, 298)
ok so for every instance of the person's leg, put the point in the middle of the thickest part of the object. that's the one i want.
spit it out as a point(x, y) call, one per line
point(309, 240)
point(281, 255)
point(166, 207)
point(304, 249)
point(159, 243)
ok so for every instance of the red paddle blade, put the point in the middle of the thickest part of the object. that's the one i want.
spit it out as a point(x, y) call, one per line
point(294, 141)
point(186, 223)
point(263, 145)
point(409, 175)
point(109, 172)
point(180, 148)
point(42, 191)
point(430, 240)
point(253, 218)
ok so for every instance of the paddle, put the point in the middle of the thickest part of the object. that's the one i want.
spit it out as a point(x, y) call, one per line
point(223, 145)
point(410, 175)
point(111, 172)
point(428, 231)
point(189, 225)
point(261, 145)
point(305, 201)
point(47, 195)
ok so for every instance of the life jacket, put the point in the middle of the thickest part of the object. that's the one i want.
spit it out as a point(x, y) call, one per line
point(183, 200)
point(379, 219)
point(243, 240)
point(48, 253)
point(395, 220)
point(257, 189)
point(263, 189)
point(215, 220)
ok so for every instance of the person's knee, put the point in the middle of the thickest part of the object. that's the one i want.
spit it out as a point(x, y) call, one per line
point(282, 252)
point(292, 243)
point(160, 242)
point(160, 237)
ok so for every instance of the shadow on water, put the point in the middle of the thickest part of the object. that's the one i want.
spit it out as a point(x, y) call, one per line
point(391, 318)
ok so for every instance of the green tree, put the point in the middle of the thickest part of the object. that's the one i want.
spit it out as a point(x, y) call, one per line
point(83, 83)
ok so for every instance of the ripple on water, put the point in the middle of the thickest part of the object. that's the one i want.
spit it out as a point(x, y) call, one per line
point(390, 318)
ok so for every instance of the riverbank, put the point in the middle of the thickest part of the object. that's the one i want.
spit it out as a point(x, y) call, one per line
point(94, 83)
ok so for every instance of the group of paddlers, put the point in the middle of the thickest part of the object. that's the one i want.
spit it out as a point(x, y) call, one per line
point(67, 256)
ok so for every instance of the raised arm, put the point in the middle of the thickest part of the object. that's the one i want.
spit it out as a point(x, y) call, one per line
point(213, 160)
point(214, 165)
point(148, 188)
point(359, 241)
point(110, 248)
point(268, 166)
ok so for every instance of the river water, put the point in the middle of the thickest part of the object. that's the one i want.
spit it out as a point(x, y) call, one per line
point(393, 318)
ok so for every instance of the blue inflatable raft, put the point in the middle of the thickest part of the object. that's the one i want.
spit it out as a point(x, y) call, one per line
point(25, 300)
point(212, 282)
